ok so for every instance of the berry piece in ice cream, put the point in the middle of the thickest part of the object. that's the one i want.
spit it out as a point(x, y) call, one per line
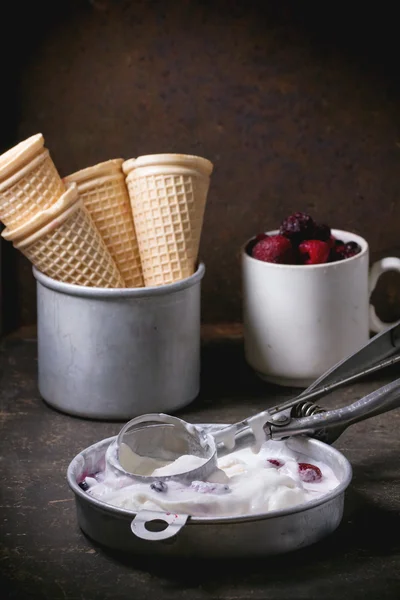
point(159, 486)
point(309, 473)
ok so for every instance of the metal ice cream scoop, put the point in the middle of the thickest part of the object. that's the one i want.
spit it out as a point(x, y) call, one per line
point(165, 438)
point(155, 440)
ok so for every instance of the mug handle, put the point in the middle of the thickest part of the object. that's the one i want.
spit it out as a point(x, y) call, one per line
point(390, 263)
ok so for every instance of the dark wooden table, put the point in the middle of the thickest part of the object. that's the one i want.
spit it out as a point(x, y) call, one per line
point(43, 553)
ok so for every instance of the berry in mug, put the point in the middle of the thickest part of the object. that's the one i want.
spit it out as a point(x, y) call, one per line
point(301, 241)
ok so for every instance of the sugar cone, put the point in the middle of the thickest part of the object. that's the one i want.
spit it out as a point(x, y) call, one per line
point(29, 181)
point(65, 244)
point(105, 195)
point(168, 194)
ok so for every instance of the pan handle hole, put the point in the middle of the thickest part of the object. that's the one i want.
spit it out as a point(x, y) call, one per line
point(156, 525)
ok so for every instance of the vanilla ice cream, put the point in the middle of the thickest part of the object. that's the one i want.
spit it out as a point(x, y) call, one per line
point(245, 483)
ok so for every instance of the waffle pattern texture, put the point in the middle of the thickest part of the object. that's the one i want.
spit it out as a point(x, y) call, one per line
point(168, 213)
point(107, 200)
point(74, 252)
point(32, 189)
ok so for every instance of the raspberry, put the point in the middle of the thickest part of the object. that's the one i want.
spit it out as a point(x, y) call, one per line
point(314, 252)
point(332, 241)
point(309, 473)
point(323, 233)
point(275, 249)
point(297, 227)
point(261, 236)
point(254, 242)
point(277, 463)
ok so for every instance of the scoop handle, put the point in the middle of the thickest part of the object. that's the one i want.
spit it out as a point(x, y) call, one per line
point(380, 401)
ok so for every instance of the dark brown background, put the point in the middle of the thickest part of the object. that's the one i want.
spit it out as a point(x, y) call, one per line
point(297, 105)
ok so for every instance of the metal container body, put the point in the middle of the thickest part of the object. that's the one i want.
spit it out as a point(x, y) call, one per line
point(118, 353)
point(252, 535)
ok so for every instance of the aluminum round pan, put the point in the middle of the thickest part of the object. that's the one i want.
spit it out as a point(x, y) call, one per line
point(274, 532)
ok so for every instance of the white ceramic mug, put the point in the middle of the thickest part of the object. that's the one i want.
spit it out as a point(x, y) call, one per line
point(300, 320)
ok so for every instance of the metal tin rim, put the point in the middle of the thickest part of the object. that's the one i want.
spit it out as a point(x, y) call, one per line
point(71, 289)
point(122, 512)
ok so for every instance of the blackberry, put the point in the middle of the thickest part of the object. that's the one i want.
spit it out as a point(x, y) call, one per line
point(351, 249)
point(340, 251)
point(322, 233)
point(159, 486)
point(298, 227)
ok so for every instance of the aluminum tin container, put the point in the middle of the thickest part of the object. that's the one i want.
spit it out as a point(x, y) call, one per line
point(118, 353)
point(275, 532)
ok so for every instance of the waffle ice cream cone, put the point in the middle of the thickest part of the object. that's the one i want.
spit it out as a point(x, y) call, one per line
point(63, 243)
point(105, 195)
point(29, 181)
point(168, 194)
